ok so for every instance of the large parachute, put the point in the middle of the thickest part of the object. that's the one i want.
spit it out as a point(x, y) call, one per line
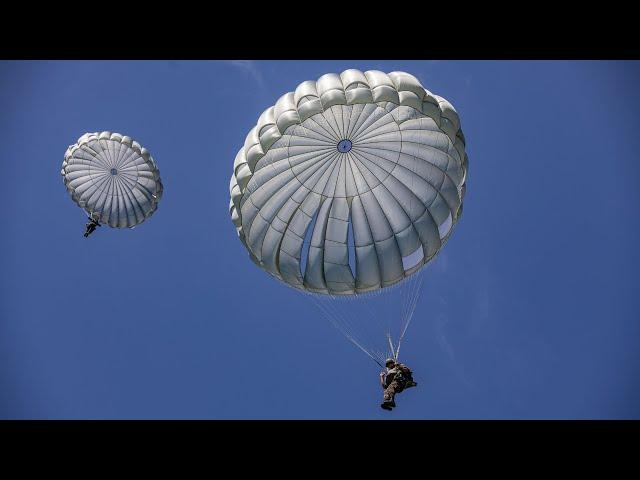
point(350, 185)
point(113, 178)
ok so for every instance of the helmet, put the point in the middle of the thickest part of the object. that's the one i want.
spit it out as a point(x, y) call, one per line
point(389, 361)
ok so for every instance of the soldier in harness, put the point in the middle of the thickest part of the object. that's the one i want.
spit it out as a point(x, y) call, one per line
point(395, 379)
point(91, 226)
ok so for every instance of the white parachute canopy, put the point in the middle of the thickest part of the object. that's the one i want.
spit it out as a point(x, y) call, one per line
point(350, 184)
point(113, 178)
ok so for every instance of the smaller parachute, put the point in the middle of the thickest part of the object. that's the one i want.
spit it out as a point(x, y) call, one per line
point(113, 178)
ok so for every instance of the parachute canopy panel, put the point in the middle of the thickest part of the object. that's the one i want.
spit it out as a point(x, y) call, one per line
point(363, 169)
point(113, 178)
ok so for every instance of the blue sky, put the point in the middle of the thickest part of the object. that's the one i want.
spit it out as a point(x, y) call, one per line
point(530, 311)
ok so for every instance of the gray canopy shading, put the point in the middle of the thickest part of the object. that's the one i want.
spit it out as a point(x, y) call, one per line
point(351, 183)
point(112, 178)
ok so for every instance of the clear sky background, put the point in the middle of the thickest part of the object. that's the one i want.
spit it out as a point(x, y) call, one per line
point(529, 312)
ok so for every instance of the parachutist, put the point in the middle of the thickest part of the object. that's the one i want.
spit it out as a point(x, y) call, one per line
point(91, 226)
point(112, 178)
point(395, 379)
point(315, 204)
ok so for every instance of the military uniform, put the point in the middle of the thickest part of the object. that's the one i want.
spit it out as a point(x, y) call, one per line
point(395, 381)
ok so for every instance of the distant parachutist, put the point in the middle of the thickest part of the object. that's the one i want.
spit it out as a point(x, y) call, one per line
point(113, 179)
point(91, 226)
